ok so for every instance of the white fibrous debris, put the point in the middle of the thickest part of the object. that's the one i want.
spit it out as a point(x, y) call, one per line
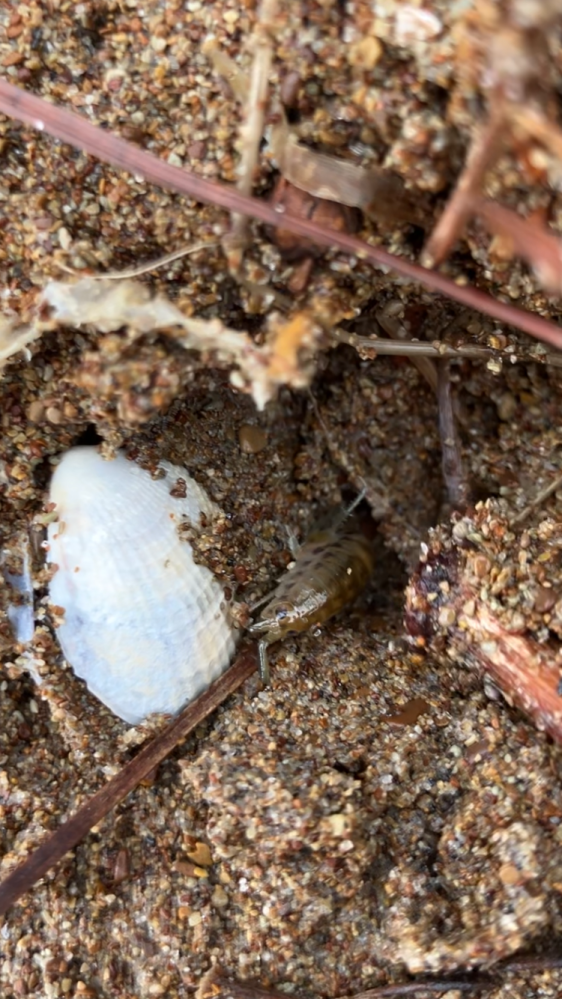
point(110, 305)
point(414, 24)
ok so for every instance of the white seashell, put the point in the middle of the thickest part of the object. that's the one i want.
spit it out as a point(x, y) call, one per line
point(144, 626)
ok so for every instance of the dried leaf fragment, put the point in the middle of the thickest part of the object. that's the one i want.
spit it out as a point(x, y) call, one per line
point(14, 336)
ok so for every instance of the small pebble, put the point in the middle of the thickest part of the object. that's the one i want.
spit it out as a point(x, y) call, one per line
point(252, 439)
point(65, 239)
point(366, 53)
point(53, 414)
point(35, 411)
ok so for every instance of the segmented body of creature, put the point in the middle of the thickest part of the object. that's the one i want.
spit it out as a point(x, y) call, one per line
point(330, 571)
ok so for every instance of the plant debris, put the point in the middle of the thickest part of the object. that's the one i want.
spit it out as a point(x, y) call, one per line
point(384, 816)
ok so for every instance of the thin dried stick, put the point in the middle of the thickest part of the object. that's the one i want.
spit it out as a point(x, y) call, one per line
point(132, 272)
point(531, 963)
point(451, 456)
point(100, 804)
point(215, 983)
point(252, 130)
point(415, 348)
point(539, 498)
point(71, 128)
point(412, 348)
point(396, 331)
point(413, 988)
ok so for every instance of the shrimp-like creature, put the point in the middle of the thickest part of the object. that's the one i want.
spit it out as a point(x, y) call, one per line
point(330, 570)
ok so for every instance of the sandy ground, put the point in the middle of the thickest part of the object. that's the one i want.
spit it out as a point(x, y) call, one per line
point(379, 811)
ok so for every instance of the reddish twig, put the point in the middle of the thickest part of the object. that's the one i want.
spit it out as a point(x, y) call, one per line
point(215, 983)
point(531, 963)
point(517, 75)
point(71, 128)
point(100, 804)
point(459, 208)
point(458, 603)
point(525, 672)
point(416, 988)
point(535, 243)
